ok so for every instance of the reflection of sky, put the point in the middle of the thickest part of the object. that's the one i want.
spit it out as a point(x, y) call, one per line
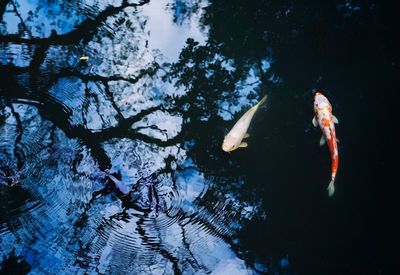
point(50, 16)
point(12, 20)
point(165, 36)
point(60, 210)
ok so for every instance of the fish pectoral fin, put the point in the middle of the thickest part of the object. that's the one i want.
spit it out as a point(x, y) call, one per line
point(322, 141)
point(314, 122)
point(337, 140)
point(243, 145)
point(246, 135)
point(335, 120)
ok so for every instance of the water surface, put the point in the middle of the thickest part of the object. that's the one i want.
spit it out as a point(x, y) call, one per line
point(163, 83)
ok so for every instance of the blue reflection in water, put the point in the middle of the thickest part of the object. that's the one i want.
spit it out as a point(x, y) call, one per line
point(107, 182)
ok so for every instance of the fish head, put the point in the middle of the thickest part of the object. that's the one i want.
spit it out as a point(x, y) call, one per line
point(228, 145)
point(320, 101)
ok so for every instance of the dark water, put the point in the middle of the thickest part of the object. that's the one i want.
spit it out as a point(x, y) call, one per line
point(164, 82)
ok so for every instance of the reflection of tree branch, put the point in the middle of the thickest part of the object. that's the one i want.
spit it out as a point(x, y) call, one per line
point(111, 99)
point(59, 114)
point(153, 127)
point(124, 130)
point(37, 59)
point(104, 79)
point(83, 31)
point(25, 28)
point(3, 6)
point(159, 142)
point(157, 246)
point(193, 261)
point(18, 139)
point(81, 222)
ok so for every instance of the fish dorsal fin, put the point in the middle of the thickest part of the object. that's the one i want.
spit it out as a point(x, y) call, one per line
point(322, 141)
point(335, 120)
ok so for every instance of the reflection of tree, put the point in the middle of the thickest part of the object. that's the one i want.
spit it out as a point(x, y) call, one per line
point(83, 32)
point(31, 84)
point(215, 78)
point(48, 104)
point(46, 63)
point(204, 75)
point(184, 10)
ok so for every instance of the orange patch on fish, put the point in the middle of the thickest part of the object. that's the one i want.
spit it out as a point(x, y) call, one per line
point(325, 122)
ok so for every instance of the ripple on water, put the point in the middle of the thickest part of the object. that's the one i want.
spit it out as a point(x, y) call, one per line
point(61, 211)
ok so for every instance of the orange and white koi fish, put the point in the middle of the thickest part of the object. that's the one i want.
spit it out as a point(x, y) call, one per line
point(326, 121)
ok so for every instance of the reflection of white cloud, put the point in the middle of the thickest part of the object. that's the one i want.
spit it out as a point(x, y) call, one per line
point(232, 267)
point(167, 37)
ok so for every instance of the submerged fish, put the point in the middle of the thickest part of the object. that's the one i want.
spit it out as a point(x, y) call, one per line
point(233, 139)
point(326, 121)
point(84, 58)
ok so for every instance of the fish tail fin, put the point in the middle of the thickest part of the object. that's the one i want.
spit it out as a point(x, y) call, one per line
point(331, 188)
point(262, 101)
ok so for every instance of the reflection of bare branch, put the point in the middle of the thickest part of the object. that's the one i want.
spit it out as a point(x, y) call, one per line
point(84, 31)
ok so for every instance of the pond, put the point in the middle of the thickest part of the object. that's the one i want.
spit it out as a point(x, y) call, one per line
point(112, 118)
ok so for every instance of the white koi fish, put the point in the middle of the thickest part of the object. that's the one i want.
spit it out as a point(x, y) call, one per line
point(233, 139)
point(326, 121)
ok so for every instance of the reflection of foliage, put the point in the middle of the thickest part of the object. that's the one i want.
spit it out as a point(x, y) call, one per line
point(183, 10)
point(94, 102)
point(201, 71)
point(82, 32)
